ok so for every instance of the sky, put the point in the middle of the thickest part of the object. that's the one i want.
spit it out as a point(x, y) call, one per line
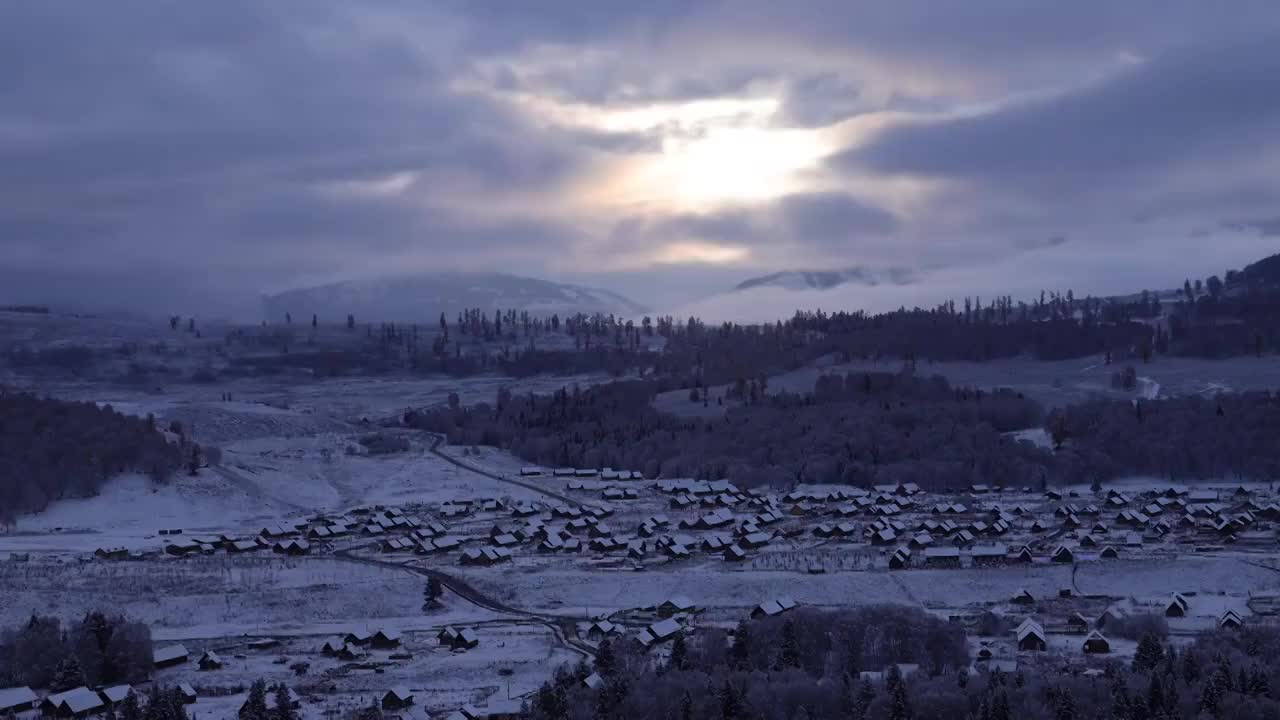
point(169, 156)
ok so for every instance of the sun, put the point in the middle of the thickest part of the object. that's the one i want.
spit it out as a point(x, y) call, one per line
point(729, 165)
point(711, 153)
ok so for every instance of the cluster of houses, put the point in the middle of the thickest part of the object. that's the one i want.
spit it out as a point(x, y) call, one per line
point(174, 655)
point(671, 616)
point(75, 703)
point(458, 640)
point(356, 643)
point(207, 546)
point(567, 472)
point(1030, 635)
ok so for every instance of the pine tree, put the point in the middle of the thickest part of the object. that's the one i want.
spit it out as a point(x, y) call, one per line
point(1064, 707)
point(1190, 668)
point(1119, 697)
point(255, 708)
point(1258, 682)
point(431, 595)
point(606, 661)
point(679, 653)
point(1000, 706)
point(847, 703)
point(730, 702)
point(789, 652)
point(157, 706)
point(129, 708)
point(1149, 655)
point(1210, 693)
point(866, 695)
point(897, 689)
point(68, 675)
point(1155, 696)
point(740, 652)
point(284, 707)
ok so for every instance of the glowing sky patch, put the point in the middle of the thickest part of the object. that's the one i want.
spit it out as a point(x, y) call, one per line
point(699, 252)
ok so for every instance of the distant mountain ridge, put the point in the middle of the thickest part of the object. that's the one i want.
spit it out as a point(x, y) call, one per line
point(422, 297)
point(827, 279)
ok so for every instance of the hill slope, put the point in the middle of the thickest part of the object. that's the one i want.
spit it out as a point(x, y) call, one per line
point(421, 298)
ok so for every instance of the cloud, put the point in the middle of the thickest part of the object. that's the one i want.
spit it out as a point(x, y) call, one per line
point(1159, 114)
point(244, 146)
point(1267, 227)
point(832, 218)
point(215, 136)
point(1040, 243)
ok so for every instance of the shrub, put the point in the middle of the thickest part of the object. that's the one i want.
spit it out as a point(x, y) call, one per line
point(384, 444)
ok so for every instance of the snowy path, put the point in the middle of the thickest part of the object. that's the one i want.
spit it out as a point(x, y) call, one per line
point(435, 450)
point(562, 627)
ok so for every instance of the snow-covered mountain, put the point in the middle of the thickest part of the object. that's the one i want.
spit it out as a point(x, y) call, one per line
point(422, 297)
point(827, 279)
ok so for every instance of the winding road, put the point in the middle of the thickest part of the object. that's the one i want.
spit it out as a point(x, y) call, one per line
point(438, 440)
point(563, 627)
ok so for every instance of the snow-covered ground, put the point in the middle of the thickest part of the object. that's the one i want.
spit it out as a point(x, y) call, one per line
point(291, 450)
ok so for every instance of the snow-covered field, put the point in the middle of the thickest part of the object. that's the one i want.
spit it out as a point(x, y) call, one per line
point(290, 451)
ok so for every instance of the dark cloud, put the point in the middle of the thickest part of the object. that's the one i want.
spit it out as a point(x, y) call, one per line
point(1208, 101)
point(163, 134)
point(832, 218)
point(1266, 227)
point(1039, 243)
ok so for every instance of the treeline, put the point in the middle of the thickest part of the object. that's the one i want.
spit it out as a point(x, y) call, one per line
point(52, 449)
point(97, 650)
point(809, 661)
point(1228, 674)
point(860, 429)
point(1181, 438)
point(875, 428)
point(397, 355)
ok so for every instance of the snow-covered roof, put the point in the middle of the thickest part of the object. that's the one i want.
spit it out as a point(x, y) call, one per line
point(1030, 627)
point(400, 693)
point(16, 696)
point(664, 629)
point(79, 700)
point(769, 608)
point(169, 653)
point(116, 693)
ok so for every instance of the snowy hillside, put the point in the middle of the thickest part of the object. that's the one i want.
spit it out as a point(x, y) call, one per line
point(421, 298)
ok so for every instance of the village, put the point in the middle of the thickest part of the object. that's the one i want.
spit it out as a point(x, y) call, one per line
point(550, 562)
